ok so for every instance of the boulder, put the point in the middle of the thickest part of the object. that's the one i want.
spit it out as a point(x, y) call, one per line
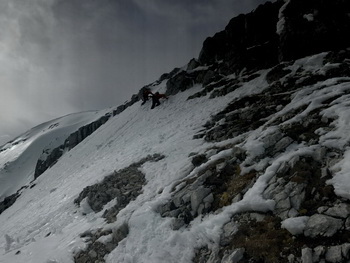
point(306, 255)
point(341, 210)
point(322, 225)
point(334, 254)
point(198, 196)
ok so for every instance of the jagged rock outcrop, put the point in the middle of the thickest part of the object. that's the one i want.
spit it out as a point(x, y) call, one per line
point(248, 41)
point(8, 201)
point(309, 27)
point(279, 31)
point(274, 32)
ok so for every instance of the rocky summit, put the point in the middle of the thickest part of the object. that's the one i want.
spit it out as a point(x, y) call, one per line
point(247, 161)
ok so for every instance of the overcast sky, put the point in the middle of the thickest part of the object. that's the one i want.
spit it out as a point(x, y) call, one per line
point(63, 56)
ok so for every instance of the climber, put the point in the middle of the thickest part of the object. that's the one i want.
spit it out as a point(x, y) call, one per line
point(155, 99)
point(145, 95)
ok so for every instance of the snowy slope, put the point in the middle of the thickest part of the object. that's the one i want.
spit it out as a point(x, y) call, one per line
point(44, 225)
point(246, 167)
point(135, 133)
point(18, 157)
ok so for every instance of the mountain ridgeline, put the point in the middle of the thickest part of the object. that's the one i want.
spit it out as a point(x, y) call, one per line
point(266, 180)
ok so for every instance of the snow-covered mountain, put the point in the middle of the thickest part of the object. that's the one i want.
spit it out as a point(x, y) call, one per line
point(247, 161)
point(19, 157)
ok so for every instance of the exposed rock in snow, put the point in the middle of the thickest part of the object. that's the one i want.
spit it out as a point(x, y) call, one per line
point(123, 186)
point(97, 250)
point(341, 210)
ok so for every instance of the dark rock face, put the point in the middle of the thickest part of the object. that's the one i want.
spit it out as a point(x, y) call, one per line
point(8, 201)
point(73, 140)
point(274, 32)
point(180, 82)
point(251, 41)
point(314, 26)
point(247, 41)
point(193, 64)
point(134, 98)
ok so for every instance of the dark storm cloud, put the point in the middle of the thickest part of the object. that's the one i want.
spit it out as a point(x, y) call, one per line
point(63, 56)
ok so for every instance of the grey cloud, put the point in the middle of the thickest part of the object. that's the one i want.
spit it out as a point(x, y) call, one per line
point(63, 56)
